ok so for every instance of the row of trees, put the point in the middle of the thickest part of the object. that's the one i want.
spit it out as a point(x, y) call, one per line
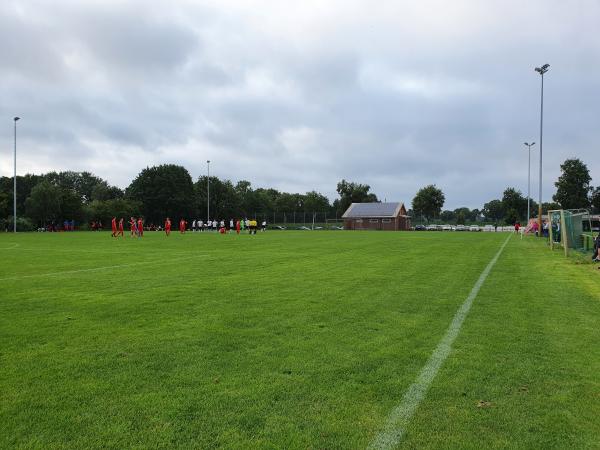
point(157, 192)
point(573, 191)
point(169, 190)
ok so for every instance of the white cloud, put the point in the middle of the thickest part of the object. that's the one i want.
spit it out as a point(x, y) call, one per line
point(299, 95)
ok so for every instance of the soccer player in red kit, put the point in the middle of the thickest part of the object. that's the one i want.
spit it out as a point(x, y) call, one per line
point(140, 225)
point(182, 223)
point(120, 233)
point(237, 226)
point(114, 227)
point(168, 227)
point(132, 227)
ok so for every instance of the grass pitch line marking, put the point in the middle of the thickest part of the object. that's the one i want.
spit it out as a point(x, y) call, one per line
point(13, 246)
point(395, 427)
point(93, 269)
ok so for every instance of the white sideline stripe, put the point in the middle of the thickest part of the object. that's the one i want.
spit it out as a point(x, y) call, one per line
point(395, 427)
point(93, 269)
point(14, 245)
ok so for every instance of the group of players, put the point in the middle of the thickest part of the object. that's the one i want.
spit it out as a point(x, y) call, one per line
point(136, 226)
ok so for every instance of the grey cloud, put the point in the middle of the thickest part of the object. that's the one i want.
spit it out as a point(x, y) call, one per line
point(388, 96)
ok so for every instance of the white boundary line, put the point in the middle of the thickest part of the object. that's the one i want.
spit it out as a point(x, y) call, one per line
point(14, 245)
point(93, 269)
point(398, 420)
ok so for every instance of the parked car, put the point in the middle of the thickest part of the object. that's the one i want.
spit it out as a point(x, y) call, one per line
point(446, 228)
point(431, 228)
point(420, 228)
point(474, 228)
point(303, 228)
point(488, 228)
point(461, 228)
point(277, 227)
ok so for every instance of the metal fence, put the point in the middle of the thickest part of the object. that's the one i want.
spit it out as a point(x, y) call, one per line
point(299, 218)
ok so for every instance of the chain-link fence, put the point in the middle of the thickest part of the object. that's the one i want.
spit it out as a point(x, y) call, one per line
point(296, 219)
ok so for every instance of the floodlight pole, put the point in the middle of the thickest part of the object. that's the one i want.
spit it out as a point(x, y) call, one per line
point(15, 180)
point(541, 70)
point(208, 191)
point(529, 178)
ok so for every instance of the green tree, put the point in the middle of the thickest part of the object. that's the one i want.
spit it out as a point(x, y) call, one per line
point(43, 205)
point(164, 191)
point(547, 206)
point(315, 202)
point(428, 202)
point(24, 186)
point(447, 216)
point(224, 203)
point(595, 200)
point(103, 191)
point(82, 183)
point(573, 185)
point(462, 215)
point(493, 210)
point(105, 210)
point(351, 192)
point(287, 202)
point(514, 202)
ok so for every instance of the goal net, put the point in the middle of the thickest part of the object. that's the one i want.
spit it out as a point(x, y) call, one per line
point(566, 229)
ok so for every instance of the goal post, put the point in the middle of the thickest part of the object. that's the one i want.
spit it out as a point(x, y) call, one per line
point(566, 229)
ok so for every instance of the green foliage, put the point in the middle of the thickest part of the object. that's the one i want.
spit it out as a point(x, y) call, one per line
point(573, 185)
point(447, 216)
point(428, 202)
point(44, 203)
point(313, 201)
point(514, 204)
point(23, 224)
point(223, 200)
point(494, 210)
point(103, 191)
point(351, 192)
point(547, 206)
point(164, 191)
point(105, 210)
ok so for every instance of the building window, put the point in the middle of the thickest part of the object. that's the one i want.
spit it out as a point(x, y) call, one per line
point(386, 220)
point(358, 220)
point(374, 220)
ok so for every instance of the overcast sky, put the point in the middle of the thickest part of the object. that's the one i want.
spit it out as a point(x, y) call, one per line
point(298, 95)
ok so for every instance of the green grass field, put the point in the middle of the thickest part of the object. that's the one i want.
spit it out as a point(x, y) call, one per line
point(293, 340)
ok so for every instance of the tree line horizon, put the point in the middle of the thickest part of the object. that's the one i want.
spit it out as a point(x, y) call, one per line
point(168, 190)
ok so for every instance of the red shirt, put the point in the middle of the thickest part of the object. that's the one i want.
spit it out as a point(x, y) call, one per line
point(114, 224)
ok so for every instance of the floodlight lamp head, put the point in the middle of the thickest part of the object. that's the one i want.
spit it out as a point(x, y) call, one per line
point(545, 67)
point(16, 118)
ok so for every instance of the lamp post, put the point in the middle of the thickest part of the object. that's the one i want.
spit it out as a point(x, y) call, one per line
point(541, 70)
point(528, 177)
point(208, 190)
point(15, 180)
